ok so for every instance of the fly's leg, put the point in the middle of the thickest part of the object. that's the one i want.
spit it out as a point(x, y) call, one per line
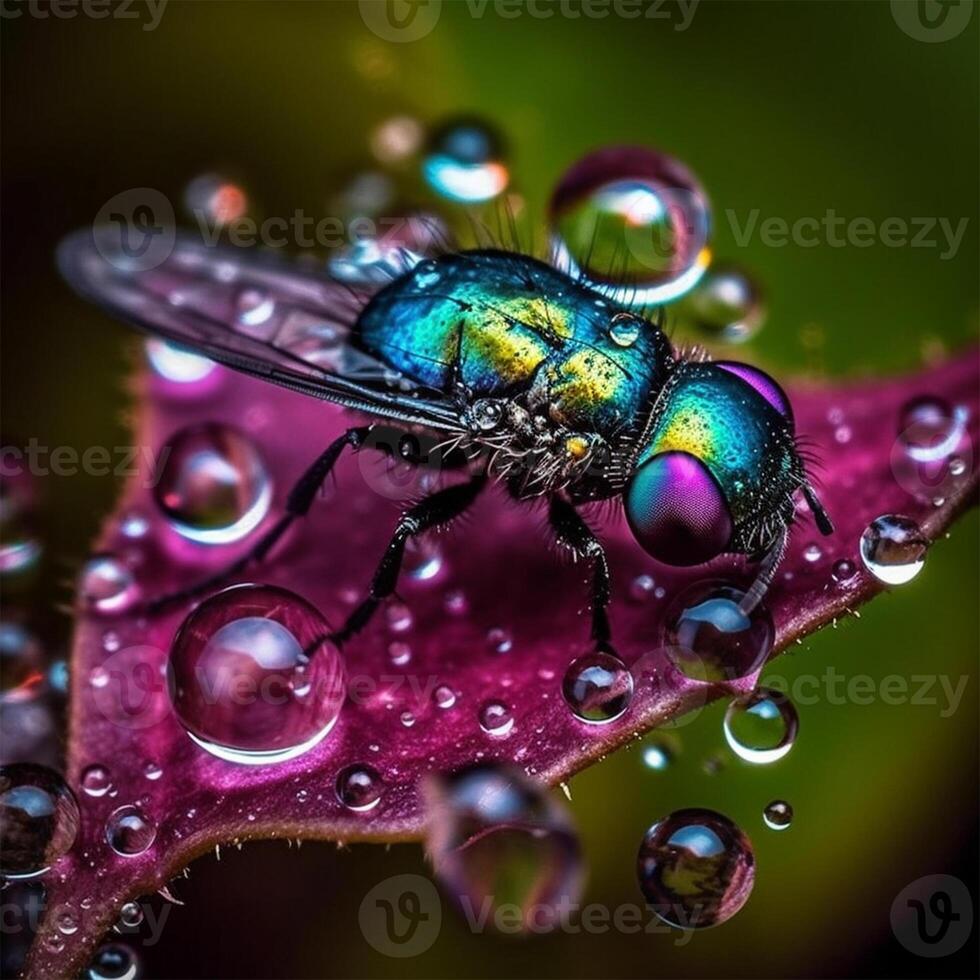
point(439, 508)
point(765, 575)
point(573, 533)
point(298, 503)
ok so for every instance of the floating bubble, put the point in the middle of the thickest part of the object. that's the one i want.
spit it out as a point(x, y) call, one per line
point(496, 718)
point(254, 677)
point(359, 787)
point(464, 161)
point(175, 363)
point(696, 868)
point(38, 819)
point(495, 836)
point(711, 639)
point(107, 585)
point(598, 687)
point(21, 664)
point(726, 305)
point(632, 221)
point(778, 815)
point(762, 726)
point(212, 484)
point(129, 832)
point(215, 200)
point(113, 962)
point(893, 549)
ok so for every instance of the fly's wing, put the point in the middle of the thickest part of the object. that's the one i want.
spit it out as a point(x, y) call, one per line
point(253, 312)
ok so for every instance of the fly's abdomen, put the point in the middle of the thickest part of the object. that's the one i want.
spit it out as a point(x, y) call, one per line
point(504, 324)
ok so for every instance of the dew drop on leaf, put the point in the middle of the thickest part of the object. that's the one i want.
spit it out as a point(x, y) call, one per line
point(107, 585)
point(129, 832)
point(359, 787)
point(598, 687)
point(893, 549)
point(496, 718)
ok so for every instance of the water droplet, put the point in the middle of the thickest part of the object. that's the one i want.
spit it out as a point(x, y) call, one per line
point(134, 526)
point(111, 641)
point(893, 549)
point(253, 676)
point(726, 305)
point(711, 639)
point(423, 559)
point(407, 719)
point(399, 617)
point(177, 364)
point(212, 484)
point(96, 780)
point(444, 696)
point(500, 640)
point(359, 787)
point(464, 161)
point(930, 429)
point(495, 836)
point(21, 662)
point(496, 718)
point(215, 200)
point(957, 466)
point(762, 726)
point(128, 832)
point(152, 771)
point(657, 756)
point(632, 221)
point(107, 585)
point(598, 687)
point(642, 587)
point(20, 552)
point(113, 962)
point(38, 819)
point(696, 868)
point(399, 653)
point(67, 924)
point(456, 603)
point(812, 553)
point(843, 570)
point(624, 329)
point(131, 915)
point(778, 815)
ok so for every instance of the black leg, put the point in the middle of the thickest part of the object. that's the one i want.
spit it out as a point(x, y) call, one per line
point(298, 503)
point(573, 533)
point(440, 507)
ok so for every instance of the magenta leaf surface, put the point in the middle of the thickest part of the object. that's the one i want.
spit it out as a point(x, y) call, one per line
point(490, 613)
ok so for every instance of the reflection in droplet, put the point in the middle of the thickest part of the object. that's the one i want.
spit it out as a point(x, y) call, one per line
point(113, 962)
point(496, 718)
point(762, 726)
point(893, 549)
point(107, 585)
point(177, 364)
point(726, 305)
point(930, 429)
point(96, 780)
point(598, 687)
point(464, 161)
point(359, 787)
point(778, 815)
point(129, 832)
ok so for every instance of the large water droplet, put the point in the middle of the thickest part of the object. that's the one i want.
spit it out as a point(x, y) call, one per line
point(38, 819)
point(762, 726)
point(711, 639)
point(778, 815)
point(632, 221)
point(726, 305)
point(496, 837)
point(21, 664)
point(598, 687)
point(113, 962)
point(464, 161)
point(696, 868)
point(496, 718)
point(129, 831)
point(253, 676)
point(107, 585)
point(893, 549)
point(359, 787)
point(212, 484)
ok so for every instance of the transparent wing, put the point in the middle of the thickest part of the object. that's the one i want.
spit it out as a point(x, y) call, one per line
point(252, 311)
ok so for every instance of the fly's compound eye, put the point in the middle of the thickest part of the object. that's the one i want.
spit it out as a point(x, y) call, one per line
point(762, 383)
point(677, 511)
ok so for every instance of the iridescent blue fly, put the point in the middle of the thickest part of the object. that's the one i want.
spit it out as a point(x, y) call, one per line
point(499, 363)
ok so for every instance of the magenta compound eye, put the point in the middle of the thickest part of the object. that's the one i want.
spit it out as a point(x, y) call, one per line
point(677, 511)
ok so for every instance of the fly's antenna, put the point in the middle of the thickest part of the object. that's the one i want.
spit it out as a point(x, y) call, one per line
point(765, 575)
point(820, 516)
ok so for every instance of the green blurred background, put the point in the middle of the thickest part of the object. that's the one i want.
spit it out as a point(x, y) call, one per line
point(790, 108)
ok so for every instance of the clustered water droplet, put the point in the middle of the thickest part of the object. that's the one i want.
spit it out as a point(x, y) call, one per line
point(254, 677)
point(696, 868)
